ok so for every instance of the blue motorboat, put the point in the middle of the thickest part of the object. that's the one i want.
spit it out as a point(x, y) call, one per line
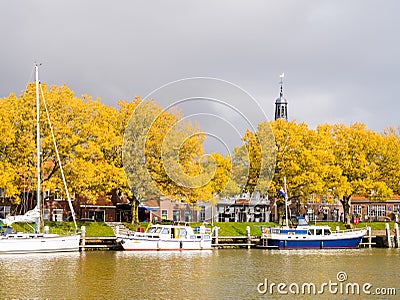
point(305, 236)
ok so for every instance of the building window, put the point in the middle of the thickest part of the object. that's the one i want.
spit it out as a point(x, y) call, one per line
point(46, 214)
point(176, 215)
point(57, 195)
point(97, 215)
point(57, 215)
point(4, 211)
point(357, 210)
point(377, 210)
point(164, 214)
point(202, 214)
point(188, 216)
point(310, 214)
point(396, 208)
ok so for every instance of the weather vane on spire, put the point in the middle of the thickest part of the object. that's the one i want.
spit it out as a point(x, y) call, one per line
point(281, 82)
point(281, 103)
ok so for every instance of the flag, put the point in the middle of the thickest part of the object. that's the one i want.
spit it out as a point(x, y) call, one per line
point(282, 192)
point(282, 75)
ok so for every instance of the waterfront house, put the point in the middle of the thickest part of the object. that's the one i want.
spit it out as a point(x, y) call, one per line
point(368, 210)
point(244, 208)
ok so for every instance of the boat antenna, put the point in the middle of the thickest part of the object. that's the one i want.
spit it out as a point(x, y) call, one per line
point(59, 161)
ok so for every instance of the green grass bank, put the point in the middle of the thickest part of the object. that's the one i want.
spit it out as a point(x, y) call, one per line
point(94, 229)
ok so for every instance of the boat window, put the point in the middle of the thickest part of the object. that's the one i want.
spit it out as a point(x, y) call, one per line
point(302, 222)
point(183, 232)
point(327, 232)
point(165, 231)
point(318, 231)
point(310, 231)
point(151, 230)
point(158, 230)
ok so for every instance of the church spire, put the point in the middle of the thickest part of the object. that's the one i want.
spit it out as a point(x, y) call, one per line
point(281, 103)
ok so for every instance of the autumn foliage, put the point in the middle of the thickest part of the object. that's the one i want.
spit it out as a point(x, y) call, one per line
point(103, 148)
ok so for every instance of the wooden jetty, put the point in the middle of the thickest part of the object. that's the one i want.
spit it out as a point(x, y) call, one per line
point(98, 242)
point(246, 241)
point(382, 238)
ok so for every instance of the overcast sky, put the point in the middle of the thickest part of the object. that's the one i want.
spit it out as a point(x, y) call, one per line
point(341, 58)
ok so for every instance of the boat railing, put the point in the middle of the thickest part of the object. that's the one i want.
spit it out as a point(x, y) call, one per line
point(144, 235)
point(266, 231)
point(349, 230)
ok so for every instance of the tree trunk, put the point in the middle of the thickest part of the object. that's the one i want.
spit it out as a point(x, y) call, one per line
point(346, 208)
point(135, 210)
point(281, 213)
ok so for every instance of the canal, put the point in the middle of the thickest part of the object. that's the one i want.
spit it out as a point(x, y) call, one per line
point(215, 274)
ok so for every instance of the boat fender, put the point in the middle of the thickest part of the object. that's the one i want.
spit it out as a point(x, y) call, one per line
point(158, 245)
point(201, 243)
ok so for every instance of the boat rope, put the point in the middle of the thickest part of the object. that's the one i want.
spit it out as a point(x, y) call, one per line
point(59, 160)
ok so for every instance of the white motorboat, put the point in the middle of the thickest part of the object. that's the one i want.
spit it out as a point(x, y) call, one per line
point(166, 237)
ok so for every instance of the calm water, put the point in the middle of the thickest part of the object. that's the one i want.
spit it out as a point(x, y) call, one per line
point(217, 274)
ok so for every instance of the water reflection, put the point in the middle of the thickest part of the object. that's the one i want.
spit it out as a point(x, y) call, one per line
point(217, 274)
point(37, 275)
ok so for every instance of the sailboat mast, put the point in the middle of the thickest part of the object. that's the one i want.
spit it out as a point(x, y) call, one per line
point(38, 197)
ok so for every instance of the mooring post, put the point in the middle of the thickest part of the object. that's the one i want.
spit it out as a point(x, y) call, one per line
point(396, 235)
point(248, 236)
point(369, 232)
point(83, 236)
point(216, 235)
point(388, 237)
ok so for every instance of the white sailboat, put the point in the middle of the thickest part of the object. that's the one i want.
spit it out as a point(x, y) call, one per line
point(38, 242)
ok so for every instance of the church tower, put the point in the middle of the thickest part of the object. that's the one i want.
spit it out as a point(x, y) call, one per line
point(281, 104)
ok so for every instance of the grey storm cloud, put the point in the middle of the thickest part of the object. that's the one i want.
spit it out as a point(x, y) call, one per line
point(341, 58)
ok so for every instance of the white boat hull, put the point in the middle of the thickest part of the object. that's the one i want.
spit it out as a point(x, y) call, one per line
point(34, 243)
point(148, 244)
point(166, 237)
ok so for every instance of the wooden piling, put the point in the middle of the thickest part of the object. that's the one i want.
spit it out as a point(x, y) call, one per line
point(83, 236)
point(396, 235)
point(388, 236)
point(216, 235)
point(369, 232)
point(248, 237)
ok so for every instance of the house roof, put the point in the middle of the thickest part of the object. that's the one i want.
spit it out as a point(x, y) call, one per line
point(394, 198)
point(152, 203)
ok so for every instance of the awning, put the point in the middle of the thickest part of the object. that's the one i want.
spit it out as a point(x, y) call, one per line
point(144, 207)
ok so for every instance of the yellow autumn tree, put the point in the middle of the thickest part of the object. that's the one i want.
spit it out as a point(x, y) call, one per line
point(298, 158)
point(9, 179)
point(254, 161)
point(163, 155)
point(360, 153)
point(88, 136)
